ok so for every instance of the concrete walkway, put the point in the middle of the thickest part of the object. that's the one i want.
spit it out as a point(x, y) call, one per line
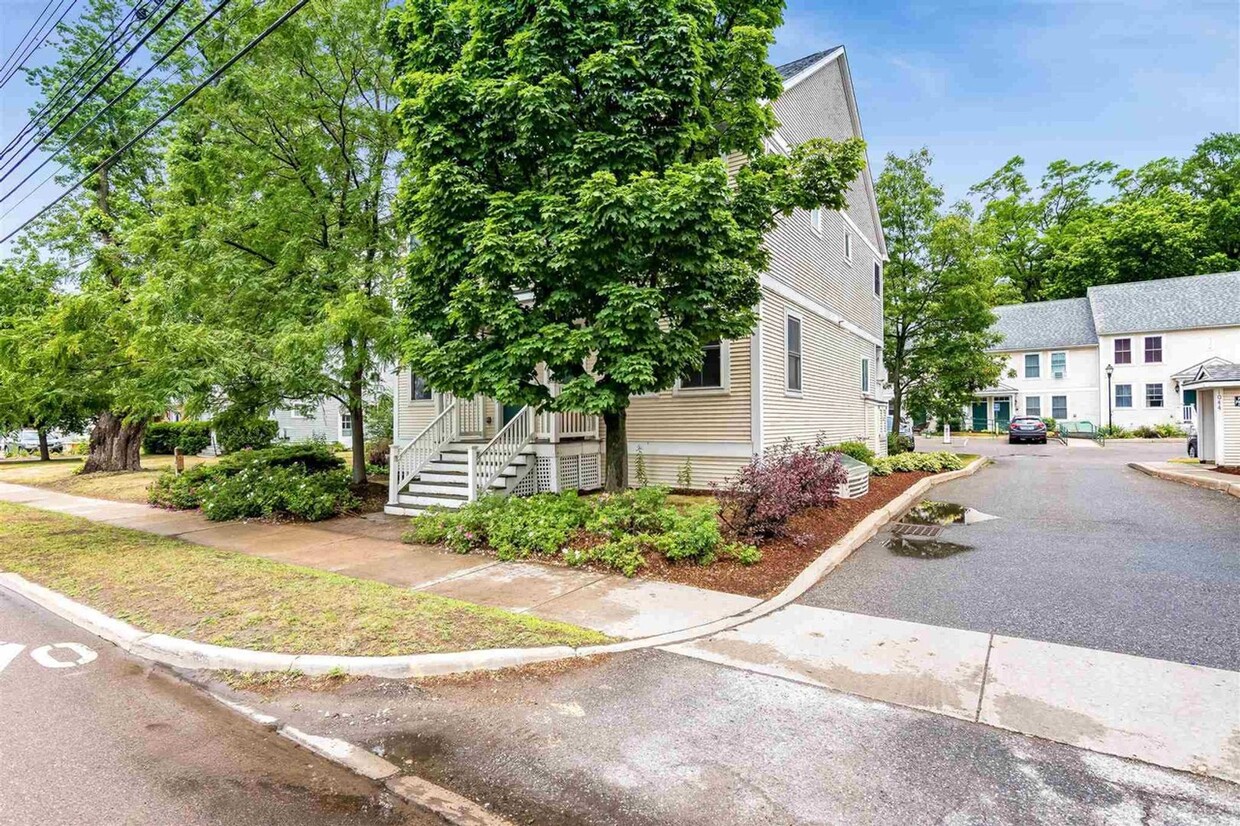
point(370, 548)
point(1201, 476)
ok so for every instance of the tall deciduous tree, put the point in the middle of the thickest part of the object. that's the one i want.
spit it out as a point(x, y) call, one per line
point(565, 189)
point(938, 290)
point(276, 236)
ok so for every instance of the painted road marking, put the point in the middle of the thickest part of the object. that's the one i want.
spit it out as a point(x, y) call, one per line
point(43, 654)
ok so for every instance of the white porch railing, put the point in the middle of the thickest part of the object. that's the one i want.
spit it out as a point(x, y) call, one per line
point(569, 425)
point(407, 461)
point(486, 465)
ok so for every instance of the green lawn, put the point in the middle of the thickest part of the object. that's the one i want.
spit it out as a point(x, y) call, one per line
point(170, 587)
point(61, 474)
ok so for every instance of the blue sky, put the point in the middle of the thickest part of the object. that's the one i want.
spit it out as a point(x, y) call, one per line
point(976, 81)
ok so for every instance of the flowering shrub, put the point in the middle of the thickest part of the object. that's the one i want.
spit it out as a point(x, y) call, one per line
point(307, 481)
point(760, 499)
point(614, 530)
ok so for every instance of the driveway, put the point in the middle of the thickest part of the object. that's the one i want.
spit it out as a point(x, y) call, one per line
point(1085, 552)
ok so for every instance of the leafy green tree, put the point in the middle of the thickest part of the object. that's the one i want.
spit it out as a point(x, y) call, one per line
point(276, 238)
point(938, 289)
point(574, 222)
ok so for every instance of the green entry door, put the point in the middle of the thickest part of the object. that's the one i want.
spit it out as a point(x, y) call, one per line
point(510, 410)
point(1003, 414)
point(979, 416)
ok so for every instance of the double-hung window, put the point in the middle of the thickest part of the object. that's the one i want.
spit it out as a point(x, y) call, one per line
point(1059, 365)
point(1059, 407)
point(346, 424)
point(1123, 395)
point(1033, 365)
point(792, 345)
point(1154, 395)
point(419, 390)
point(710, 374)
point(1033, 406)
point(1123, 351)
point(815, 220)
point(1153, 349)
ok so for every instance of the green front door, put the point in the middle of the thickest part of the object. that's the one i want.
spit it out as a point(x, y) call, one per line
point(510, 410)
point(1003, 414)
point(979, 416)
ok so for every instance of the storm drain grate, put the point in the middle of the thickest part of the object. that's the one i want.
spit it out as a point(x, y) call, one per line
point(928, 531)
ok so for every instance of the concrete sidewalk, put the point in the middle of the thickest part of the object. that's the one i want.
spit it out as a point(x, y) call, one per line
point(1201, 476)
point(371, 549)
point(1181, 716)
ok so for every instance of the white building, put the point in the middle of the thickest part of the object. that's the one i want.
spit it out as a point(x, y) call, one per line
point(1120, 355)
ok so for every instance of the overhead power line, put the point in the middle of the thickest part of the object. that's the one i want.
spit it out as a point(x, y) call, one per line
point(40, 140)
point(155, 65)
point(51, 130)
point(85, 69)
point(19, 55)
point(245, 50)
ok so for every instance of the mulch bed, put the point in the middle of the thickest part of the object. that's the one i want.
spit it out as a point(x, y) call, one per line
point(812, 532)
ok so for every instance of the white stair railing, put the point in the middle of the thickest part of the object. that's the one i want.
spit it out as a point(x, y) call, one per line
point(486, 465)
point(406, 462)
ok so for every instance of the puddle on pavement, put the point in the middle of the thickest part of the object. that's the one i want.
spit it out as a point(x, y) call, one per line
point(929, 512)
point(924, 548)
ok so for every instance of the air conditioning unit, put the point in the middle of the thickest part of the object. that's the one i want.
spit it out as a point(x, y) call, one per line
point(1059, 374)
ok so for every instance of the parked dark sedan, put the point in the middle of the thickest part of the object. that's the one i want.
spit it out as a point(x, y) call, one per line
point(1027, 429)
point(1192, 441)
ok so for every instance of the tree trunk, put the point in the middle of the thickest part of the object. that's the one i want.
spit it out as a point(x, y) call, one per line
point(44, 454)
point(114, 445)
point(617, 446)
point(359, 445)
point(897, 400)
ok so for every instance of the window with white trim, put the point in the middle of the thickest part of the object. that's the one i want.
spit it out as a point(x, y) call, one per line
point(1123, 395)
point(419, 390)
point(848, 246)
point(1059, 365)
point(1153, 349)
point(1033, 406)
point(792, 346)
point(1059, 407)
point(710, 375)
point(815, 220)
point(878, 279)
point(865, 375)
point(1033, 365)
point(1154, 395)
point(346, 424)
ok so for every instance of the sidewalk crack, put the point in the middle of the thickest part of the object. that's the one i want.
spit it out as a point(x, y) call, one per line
point(990, 644)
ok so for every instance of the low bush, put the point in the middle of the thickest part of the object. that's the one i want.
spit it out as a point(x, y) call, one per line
point(235, 432)
point(938, 462)
point(899, 443)
point(613, 530)
point(379, 452)
point(306, 481)
point(1114, 431)
point(162, 438)
point(1052, 426)
point(785, 480)
point(857, 449)
point(1165, 430)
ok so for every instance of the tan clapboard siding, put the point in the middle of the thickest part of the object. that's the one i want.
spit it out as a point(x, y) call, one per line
point(412, 417)
point(698, 416)
point(818, 108)
point(734, 162)
point(664, 470)
point(830, 402)
point(1231, 428)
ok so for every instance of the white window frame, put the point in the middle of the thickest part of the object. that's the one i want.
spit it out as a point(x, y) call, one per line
point(878, 279)
point(866, 378)
point(1064, 372)
point(725, 376)
point(1024, 373)
point(412, 384)
point(798, 392)
point(1115, 400)
point(346, 432)
point(815, 221)
point(1063, 396)
point(1162, 395)
point(1115, 350)
point(1029, 412)
point(1145, 349)
point(848, 256)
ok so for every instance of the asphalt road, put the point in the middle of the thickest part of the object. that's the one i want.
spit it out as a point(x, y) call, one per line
point(1086, 552)
point(652, 739)
point(112, 741)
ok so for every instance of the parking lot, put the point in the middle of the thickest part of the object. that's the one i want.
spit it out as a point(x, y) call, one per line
point(1085, 551)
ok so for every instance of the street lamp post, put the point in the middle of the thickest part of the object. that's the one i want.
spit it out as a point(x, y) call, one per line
point(1110, 422)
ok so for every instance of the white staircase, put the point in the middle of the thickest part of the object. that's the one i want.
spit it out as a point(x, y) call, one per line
point(444, 481)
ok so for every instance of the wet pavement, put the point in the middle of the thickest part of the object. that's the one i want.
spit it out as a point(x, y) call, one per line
point(1086, 552)
point(112, 741)
point(652, 738)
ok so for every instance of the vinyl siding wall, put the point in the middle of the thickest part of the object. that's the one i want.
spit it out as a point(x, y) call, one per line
point(412, 417)
point(1229, 417)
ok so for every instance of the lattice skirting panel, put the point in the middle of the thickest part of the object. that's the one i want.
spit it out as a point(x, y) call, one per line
point(544, 473)
point(590, 472)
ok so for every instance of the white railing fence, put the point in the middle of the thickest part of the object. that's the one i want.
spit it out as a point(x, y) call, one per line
point(407, 461)
point(486, 464)
point(569, 425)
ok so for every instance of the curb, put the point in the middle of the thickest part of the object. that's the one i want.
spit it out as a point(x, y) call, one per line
point(181, 653)
point(1221, 485)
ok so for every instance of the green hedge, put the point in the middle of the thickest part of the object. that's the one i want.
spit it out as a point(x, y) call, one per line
point(162, 438)
point(236, 433)
point(857, 449)
point(909, 462)
point(304, 480)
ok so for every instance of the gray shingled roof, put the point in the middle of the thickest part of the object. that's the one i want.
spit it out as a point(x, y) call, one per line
point(1167, 304)
point(797, 66)
point(1045, 324)
point(1220, 372)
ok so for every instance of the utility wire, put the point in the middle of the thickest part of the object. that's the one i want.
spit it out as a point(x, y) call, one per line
point(86, 68)
point(249, 47)
point(19, 54)
point(109, 104)
point(40, 140)
point(157, 85)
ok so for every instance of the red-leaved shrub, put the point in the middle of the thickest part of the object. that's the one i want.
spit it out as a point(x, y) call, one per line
point(760, 499)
